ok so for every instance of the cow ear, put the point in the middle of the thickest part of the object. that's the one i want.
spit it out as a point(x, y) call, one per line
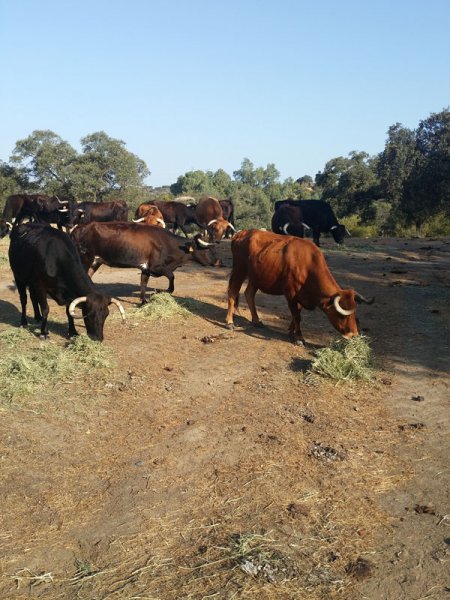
point(328, 303)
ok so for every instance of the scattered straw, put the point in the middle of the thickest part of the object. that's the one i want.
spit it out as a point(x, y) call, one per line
point(162, 306)
point(345, 360)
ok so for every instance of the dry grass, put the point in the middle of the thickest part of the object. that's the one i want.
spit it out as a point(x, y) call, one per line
point(35, 365)
point(161, 307)
point(345, 360)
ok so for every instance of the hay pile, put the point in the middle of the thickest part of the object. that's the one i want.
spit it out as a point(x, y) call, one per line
point(160, 307)
point(27, 365)
point(345, 360)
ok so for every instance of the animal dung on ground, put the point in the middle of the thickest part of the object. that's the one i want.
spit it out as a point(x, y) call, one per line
point(360, 568)
point(417, 398)
point(322, 452)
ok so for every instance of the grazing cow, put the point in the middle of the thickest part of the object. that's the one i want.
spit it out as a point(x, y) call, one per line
point(174, 213)
point(292, 267)
point(46, 261)
point(153, 250)
point(318, 216)
point(288, 220)
point(153, 216)
point(209, 215)
point(85, 212)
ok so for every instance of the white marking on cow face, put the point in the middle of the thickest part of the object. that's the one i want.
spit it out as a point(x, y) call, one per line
point(144, 266)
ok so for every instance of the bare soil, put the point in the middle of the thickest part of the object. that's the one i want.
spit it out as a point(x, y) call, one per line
point(208, 464)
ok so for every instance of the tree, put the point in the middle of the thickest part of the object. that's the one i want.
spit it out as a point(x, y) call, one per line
point(191, 183)
point(259, 177)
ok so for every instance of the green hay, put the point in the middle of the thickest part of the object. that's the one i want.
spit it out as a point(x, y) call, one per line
point(29, 370)
point(345, 360)
point(162, 306)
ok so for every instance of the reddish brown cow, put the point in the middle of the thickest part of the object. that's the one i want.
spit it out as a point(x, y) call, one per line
point(208, 213)
point(174, 213)
point(153, 216)
point(296, 268)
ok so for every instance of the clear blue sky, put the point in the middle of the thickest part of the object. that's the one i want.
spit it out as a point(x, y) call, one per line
point(201, 84)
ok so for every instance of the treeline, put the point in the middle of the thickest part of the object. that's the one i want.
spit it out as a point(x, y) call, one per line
point(403, 189)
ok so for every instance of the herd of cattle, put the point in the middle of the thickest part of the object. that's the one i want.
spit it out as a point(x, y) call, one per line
point(47, 261)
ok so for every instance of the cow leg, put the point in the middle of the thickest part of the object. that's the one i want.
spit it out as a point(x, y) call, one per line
point(95, 266)
point(41, 298)
point(36, 308)
point(145, 275)
point(234, 286)
point(72, 331)
point(181, 226)
point(250, 292)
point(167, 272)
point(23, 301)
point(294, 328)
point(316, 236)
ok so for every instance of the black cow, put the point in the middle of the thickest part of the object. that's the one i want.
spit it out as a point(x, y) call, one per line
point(45, 261)
point(86, 212)
point(36, 207)
point(318, 216)
point(153, 250)
point(228, 214)
point(288, 220)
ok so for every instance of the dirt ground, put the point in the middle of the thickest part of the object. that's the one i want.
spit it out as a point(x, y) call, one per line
point(208, 464)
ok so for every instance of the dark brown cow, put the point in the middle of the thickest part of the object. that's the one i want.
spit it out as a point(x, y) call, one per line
point(86, 212)
point(227, 207)
point(288, 220)
point(36, 207)
point(174, 213)
point(209, 215)
point(45, 261)
point(152, 216)
point(153, 250)
point(296, 268)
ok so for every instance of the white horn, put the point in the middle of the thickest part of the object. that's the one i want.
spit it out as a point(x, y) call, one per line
point(230, 225)
point(348, 232)
point(285, 229)
point(64, 210)
point(75, 303)
point(202, 243)
point(61, 201)
point(120, 307)
point(138, 220)
point(339, 308)
point(211, 222)
point(162, 222)
point(306, 226)
point(9, 224)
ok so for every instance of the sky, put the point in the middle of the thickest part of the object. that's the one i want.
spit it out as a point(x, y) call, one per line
point(203, 84)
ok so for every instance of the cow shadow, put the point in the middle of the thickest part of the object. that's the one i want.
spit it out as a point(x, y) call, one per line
point(10, 315)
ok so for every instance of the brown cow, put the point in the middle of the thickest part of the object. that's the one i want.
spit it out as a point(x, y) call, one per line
point(153, 216)
point(296, 268)
point(153, 250)
point(208, 213)
point(174, 213)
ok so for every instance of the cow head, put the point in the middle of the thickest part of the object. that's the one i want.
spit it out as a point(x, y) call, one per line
point(217, 228)
point(338, 232)
point(95, 309)
point(5, 227)
point(341, 311)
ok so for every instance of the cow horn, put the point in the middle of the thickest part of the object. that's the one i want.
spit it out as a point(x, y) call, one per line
point(80, 210)
point(75, 303)
point(285, 228)
point(10, 226)
point(61, 201)
point(334, 227)
point(138, 220)
point(162, 222)
point(211, 222)
point(339, 308)
point(230, 225)
point(348, 232)
point(120, 307)
point(306, 226)
point(360, 299)
point(202, 243)
point(64, 210)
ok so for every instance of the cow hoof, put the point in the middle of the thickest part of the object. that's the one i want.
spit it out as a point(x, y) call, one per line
point(230, 326)
point(43, 337)
point(299, 343)
point(258, 324)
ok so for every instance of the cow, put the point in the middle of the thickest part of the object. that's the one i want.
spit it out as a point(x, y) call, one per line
point(36, 207)
point(85, 212)
point(153, 250)
point(152, 216)
point(319, 217)
point(46, 261)
point(208, 213)
point(5, 227)
point(174, 213)
point(227, 207)
point(288, 220)
point(296, 268)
